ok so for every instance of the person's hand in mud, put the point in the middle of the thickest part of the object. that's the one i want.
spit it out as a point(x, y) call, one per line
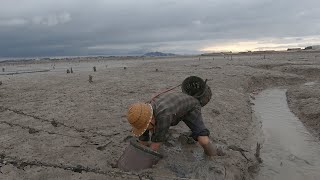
point(209, 148)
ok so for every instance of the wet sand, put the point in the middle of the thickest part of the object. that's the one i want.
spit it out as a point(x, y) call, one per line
point(60, 126)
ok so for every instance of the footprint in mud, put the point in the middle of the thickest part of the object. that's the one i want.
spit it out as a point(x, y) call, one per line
point(184, 139)
point(101, 148)
point(200, 170)
point(54, 123)
point(33, 131)
point(180, 170)
point(215, 112)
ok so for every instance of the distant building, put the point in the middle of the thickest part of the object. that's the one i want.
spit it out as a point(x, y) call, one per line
point(315, 47)
point(293, 49)
point(212, 54)
point(159, 54)
point(263, 52)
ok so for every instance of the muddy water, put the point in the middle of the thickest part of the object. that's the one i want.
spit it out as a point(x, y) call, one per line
point(310, 83)
point(289, 151)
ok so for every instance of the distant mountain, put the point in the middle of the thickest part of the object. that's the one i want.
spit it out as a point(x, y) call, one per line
point(158, 54)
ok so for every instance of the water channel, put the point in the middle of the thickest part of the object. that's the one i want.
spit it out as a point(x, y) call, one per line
point(289, 151)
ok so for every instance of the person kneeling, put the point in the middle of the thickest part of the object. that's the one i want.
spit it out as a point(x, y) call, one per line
point(168, 110)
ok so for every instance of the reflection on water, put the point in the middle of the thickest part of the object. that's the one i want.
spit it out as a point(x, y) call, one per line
point(310, 83)
point(289, 151)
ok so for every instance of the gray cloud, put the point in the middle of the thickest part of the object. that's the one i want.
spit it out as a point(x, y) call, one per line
point(12, 22)
point(79, 27)
point(52, 20)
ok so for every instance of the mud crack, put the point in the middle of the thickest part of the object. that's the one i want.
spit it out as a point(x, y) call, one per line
point(57, 124)
point(21, 164)
point(33, 130)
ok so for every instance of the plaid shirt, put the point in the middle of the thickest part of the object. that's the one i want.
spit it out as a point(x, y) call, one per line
point(169, 109)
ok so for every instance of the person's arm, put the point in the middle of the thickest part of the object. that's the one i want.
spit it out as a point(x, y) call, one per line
point(144, 138)
point(209, 148)
point(199, 131)
point(203, 140)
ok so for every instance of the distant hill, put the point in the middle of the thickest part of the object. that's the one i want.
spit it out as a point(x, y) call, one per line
point(158, 54)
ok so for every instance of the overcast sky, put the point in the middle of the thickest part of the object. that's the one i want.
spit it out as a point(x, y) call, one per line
point(114, 27)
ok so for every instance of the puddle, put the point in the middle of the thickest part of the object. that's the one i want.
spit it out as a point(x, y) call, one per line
point(310, 83)
point(289, 151)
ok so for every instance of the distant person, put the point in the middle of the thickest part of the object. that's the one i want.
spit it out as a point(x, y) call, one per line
point(168, 110)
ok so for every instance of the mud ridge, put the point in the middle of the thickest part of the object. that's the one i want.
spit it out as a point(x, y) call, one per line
point(261, 82)
point(56, 123)
point(26, 72)
point(33, 130)
point(270, 66)
point(21, 164)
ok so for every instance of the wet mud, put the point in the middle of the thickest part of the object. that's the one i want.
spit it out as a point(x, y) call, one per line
point(55, 125)
point(304, 100)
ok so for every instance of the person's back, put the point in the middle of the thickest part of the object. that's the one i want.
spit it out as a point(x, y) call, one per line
point(173, 106)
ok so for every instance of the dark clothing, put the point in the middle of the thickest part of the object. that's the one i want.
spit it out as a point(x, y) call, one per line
point(171, 108)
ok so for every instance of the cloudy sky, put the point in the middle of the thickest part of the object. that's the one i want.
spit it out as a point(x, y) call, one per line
point(122, 27)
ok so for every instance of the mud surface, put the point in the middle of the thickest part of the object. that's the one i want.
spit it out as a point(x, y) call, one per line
point(55, 125)
point(305, 102)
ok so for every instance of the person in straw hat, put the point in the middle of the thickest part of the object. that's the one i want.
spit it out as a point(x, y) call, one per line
point(167, 110)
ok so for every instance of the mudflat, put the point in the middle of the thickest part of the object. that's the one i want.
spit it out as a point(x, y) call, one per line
point(58, 125)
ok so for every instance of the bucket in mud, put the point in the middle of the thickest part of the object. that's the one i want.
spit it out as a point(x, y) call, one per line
point(198, 88)
point(137, 157)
